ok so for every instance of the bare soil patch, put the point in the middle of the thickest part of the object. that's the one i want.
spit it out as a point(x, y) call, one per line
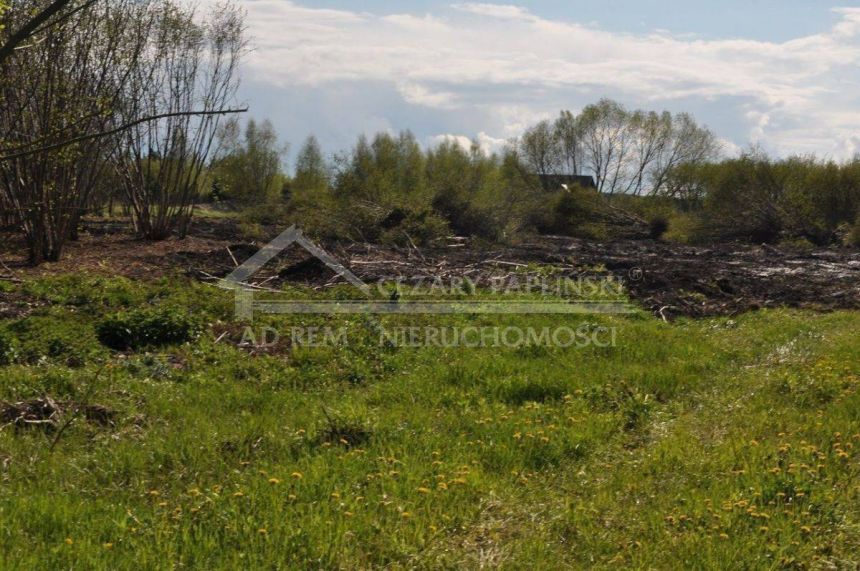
point(667, 279)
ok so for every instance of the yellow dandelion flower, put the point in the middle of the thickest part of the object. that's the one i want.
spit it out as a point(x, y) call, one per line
point(297, 475)
point(154, 493)
point(405, 515)
point(805, 529)
point(291, 497)
point(763, 529)
point(69, 541)
point(442, 486)
point(274, 481)
point(724, 536)
point(423, 490)
point(348, 514)
point(335, 495)
point(262, 531)
point(238, 494)
point(107, 545)
point(194, 492)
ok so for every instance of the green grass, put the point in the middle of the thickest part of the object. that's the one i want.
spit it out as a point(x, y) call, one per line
point(700, 444)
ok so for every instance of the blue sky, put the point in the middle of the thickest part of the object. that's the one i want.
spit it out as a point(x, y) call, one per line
point(779, 73)
point(774, 20)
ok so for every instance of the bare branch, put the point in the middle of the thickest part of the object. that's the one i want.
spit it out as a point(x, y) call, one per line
point(30, 27)
point(119, 129)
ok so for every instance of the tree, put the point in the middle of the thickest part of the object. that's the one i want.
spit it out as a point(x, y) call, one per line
point(607, 142)
point(684, 143)
point(189, 66)
point(540, 149)
point(312, 177)
point(249, 166)
point(58, 90)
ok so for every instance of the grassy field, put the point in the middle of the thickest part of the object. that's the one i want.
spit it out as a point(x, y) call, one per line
point(698, 444)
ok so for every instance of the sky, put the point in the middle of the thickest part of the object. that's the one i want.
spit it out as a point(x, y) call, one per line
point(780, 74)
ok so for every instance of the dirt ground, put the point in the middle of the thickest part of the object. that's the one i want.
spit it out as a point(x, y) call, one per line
point(667, 279)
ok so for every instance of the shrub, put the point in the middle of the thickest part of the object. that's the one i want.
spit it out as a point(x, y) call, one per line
point(853, 238)
point(657, 227)
point(421, 227)
point(578, 212)
point(147, 328)
point(7, 348)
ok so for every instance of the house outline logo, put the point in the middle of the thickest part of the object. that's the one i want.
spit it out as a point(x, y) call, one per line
point(237, 280)
point(247, 305)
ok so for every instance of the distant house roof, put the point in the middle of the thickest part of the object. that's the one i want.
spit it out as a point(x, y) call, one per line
point(555, 181)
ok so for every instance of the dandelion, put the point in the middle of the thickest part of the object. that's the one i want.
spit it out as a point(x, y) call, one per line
point(335, 495)
point(348, 514)
point(423, 490)
point(442, 486)
point(154, 493)
point(274, 481)
point(405, 515)
point(291, 497)
point(194, 492)
point(262, 531)
point(107, 545)
point(724, 536)
point(238, 494)
point(805, 529)
point(297, 475)
point(69, 541)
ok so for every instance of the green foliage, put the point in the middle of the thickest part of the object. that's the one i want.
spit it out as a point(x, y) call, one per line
point(853, 236)
point(408, 227)
point(248, 169)
point(7, 348)
point(574, 212)
point(736, 445)
point(147, 328)
point(759, 199)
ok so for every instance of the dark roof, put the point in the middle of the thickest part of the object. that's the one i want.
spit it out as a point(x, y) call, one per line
point(554, 181)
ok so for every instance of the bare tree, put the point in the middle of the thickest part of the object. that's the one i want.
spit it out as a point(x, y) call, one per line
point(568, 137)
point(607, 142)
point(687, 143)
point(539, 148)
point(58, 89)
point(189, 65)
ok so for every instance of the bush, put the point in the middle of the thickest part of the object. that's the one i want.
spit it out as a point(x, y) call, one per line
point(853, 238)
point(657, 227)
point(578, 212)
point(7, 349)
point(421, 227)
point(147, 328)
point(684, 229)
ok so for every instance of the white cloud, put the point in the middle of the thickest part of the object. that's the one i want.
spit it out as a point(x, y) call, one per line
point(511, 66)
point(487, 144)
point(419, 95)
